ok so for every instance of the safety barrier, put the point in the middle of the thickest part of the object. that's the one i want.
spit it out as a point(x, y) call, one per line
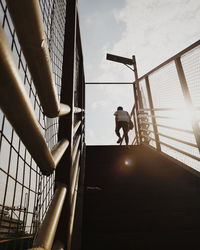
point(39, 133)
point(168, 119)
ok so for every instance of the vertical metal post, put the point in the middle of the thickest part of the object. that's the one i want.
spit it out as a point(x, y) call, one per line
point(188, 99)
point(155, 129)
point(137, 118)
point(76, 241)
point(66, 123)
point(137, 83)
point(137, 96)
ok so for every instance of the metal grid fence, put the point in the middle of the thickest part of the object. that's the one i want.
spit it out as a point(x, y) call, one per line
point(171, 122)
point(25, 194)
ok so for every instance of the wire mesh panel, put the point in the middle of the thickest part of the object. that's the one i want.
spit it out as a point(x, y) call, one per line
point(176, 110)
point(25, 194)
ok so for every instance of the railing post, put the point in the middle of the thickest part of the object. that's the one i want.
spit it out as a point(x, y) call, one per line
point(155, 129)
point(66, 123)
point(137, 96)
point(137, 124)
point(188, 99)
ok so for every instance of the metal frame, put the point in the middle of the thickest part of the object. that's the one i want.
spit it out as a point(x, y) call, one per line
point(44, 147)
point(27, 18)
point(145, 131)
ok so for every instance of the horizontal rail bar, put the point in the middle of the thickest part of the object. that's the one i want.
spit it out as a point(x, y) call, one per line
point(172, 128)
point(64, 110)
point(167, 109)
point(177, 129)
point(16, 105)
point(134, 141)
point(157, 116)
point(58, 150)
point(96, 83)
point(176, 149)
point(73, 208)
point(45, 237)
point(178, 140)
point(77, 110)
point(17, 238)
point(76, 127)
point(171, 59)
point(58, 245)
point(172, 138)
point(162, 109)
point(74, 174)
point(75, 149)
point(28, 22)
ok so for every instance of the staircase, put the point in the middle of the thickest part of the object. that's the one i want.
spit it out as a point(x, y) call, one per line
point(136, 199)
point(10, 227)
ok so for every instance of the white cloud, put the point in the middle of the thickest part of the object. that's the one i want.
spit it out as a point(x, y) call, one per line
point(99, 104)
point(153, 30)
point(157, 29)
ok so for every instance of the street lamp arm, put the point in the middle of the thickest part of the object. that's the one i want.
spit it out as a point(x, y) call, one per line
point(128, 67)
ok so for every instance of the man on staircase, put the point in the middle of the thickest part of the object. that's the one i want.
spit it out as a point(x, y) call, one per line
point(122, 119)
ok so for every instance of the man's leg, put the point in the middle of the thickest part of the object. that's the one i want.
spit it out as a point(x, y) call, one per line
point(125, 129)
point(117, 128)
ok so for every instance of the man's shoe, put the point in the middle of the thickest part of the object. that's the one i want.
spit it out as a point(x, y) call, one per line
point(119, 140)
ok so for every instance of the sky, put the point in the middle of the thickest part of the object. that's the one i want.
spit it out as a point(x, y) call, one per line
point(152, 30)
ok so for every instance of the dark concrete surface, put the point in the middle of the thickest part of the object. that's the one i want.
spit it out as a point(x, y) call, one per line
point(136, 199)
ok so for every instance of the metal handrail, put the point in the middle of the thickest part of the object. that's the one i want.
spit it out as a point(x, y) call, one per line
point(59, 149)
point(27, 18)
point(20, 112)
point(74, 173)
point(157, 116)
point(171, 59)
point(58, 245)
point(175, 149)
point(45, 237)
point(77, 110)
point(73, 206)
point(172, 138)
point(76, 127)
point(169, 127)
point(162, 109)
point(75, 149)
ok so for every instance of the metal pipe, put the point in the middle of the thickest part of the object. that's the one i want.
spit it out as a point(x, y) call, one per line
point(77, 110)
point(46, 233)
point(188, 99)
point(59, 149)
point(75, 149)
point(101, 83)
point(169, 127)
point(16, 106)
point(58, 245)
point(194, 45)
point(73, 207)
point(74, 173)
point(28, 21)
point(64, 109)
point(172, 138)
point(76, 127)
point(175, 149)
point(153, 119)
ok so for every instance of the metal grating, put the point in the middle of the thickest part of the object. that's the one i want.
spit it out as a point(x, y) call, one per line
point(173, 115)
point(26, 194)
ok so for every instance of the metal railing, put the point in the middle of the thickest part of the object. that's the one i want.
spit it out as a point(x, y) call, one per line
point(40, 131)
point(169, 117)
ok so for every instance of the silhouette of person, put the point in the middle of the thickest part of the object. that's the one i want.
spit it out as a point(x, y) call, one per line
point(122, 119)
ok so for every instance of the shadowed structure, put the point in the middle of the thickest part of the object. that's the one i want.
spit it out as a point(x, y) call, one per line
point(137, 199)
